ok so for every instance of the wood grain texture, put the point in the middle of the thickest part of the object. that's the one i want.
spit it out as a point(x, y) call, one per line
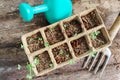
point(12, 28)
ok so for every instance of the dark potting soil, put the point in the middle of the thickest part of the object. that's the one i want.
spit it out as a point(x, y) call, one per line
point(62, 53)
point(91, 20)
point(44, 61)
point(54, 35)
point(35, 42)
point(80, 46)
point(73, 27)
point(99, 41)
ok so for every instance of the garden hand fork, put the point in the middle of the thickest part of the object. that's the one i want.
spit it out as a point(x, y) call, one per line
point(101, 59)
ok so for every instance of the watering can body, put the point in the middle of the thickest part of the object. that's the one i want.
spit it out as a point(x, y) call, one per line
point(55, 10)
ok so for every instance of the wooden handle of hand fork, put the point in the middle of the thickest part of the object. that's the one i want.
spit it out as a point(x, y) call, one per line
point(115, 28)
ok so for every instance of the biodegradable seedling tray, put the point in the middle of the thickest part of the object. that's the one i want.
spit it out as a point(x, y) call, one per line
point(62, 43)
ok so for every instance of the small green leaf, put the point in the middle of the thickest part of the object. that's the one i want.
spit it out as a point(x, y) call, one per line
point(51, 65)
point(97, 33)
point(72, 61)
point(36, 61)
point(31, 39)
point(65, 25)
point(19, 66)
point(29, 76)
point(76, 34)
point(40, 39)
point(46, 44)
point(92, 35)
point(29, 67)
point(61, 52)
point(67, 55)
point(21, 46)
point(94, 53)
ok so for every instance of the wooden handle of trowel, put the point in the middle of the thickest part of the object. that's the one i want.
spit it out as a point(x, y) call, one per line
point(115, 28)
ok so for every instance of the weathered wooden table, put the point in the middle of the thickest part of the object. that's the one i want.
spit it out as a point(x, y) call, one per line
point(12, 27)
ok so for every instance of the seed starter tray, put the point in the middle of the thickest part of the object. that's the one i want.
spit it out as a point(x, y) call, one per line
point(58, 44)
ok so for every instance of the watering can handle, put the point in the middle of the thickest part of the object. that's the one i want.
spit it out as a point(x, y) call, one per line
point(115, 28)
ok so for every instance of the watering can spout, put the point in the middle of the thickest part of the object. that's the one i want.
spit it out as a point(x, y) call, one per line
point(27, 12)
point(55, 10)
point(40, 9)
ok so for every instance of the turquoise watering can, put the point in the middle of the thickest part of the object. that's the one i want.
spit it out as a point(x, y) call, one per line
point(55, 10)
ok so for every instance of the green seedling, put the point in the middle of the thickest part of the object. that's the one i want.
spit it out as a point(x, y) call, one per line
point(93, 53)
point(94, 35)
point(72, 61)
point(65, 25)
point(36, 61)
point(40, 39)
point(28, 76)
point(67, 56)
point(51, 65)
point(19, 66)
point(76, 34)
point(21, 46)
point(46, 44)
point(31, 39)
point(61, 52)
point(29, 68)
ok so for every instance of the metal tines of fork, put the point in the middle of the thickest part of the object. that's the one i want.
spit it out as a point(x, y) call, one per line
point(97, 62)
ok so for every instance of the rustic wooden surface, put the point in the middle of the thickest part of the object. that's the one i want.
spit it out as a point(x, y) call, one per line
point(12, 27)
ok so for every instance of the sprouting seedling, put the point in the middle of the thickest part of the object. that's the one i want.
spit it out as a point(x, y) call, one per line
point(19, 66)
point(40, 39)
point(72, 61)
point(65, 25)
point(31, 39)
point(51, 65)
point(29, 68)
point(76, 34)
point(28, 76)
point(67, 56)
point(94, 35)
point(21, 46)
point(36, 61)
point(93, 53)
point(46, 44)
point(61, 52)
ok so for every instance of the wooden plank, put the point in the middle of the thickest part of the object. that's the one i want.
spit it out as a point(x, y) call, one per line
point(66, 73)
